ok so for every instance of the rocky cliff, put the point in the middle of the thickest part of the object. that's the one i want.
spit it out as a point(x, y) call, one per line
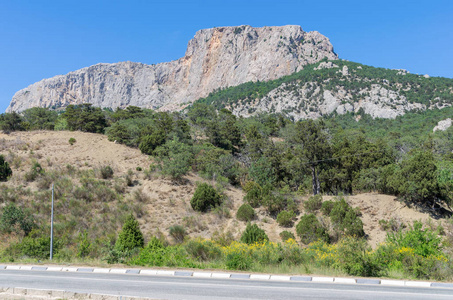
point(215, 58)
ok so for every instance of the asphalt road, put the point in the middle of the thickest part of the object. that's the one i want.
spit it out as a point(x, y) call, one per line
point(160, 287)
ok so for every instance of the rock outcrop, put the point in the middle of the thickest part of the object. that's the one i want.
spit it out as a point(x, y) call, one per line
point(215, 58)
point(443, 125)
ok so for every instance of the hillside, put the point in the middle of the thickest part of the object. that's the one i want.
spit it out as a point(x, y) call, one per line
point(337, 87)
point(215, 58)
point(85, 201)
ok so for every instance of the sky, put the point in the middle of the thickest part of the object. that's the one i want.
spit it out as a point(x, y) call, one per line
point(42, 39)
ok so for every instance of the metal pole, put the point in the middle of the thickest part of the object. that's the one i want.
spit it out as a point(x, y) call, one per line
point(51, 228)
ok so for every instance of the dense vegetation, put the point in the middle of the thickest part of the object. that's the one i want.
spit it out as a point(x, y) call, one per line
point(273, 159)
point(416, 88)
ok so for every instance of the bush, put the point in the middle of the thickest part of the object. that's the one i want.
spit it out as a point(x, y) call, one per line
point(37, 245)
point(356, 259)
point(424, 242)
point(130, 236)
point(238, 261)
point(286, 235)
point(313, 203)
point(310, 230)
point(327, 207)
point(106, 172)
point(285, 218)
point(246, 213)
point(178, 233)
point(35, 171)
point(205, 197)
point(203, 249)
point(13, 219)
point(253, 234)
point(254, 195)
point(345, 219)
point(5, 170)
point(72, 141)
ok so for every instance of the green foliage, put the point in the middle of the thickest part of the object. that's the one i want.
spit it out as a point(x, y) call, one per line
point(285, 218)
point(309, 229)
point(286, 235)
point(313, 203)
point(36, 170)
point(130, 237)
point(175, 158)
point(15, 219)
point(72, 141)
point(246, 213)
point(84, 246)
point(356, 259)
point(203, 249)
point(106, 172)
point(345, 220)
point(416, 179)
point(205, 198)
point(254, 195)
point(253, 234)
point(151, 141)
point(425, 242)
point(10, 122)
point(178, 233)
point(5, 170)
point(37, 245)
point(326, 207)
point(39, 118)
point(236, 261)
point(85, 117)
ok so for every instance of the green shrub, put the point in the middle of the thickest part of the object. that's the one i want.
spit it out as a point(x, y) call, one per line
point(203, 249)
point(106, 172)
point(253, 234)
point(246, 213)
point(425, 242)
point(238, 261)
point(313, 203)
point(327, 207)
point(5, 170)
point(286, 235)
point(356, 259)
point(205, 197)
point(15, 219)
point(37, 245)
point(35, 171)
point(254, 195)
point(84, 245)
point(309, 229)
point(130, 236)
point(178, 233)
point(72, 141)
point(345, 220)
point(285, 218)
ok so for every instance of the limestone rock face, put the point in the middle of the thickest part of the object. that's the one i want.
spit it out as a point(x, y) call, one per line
point(442, 125)
point(215, 58)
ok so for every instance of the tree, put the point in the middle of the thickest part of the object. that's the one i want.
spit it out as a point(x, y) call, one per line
point(11, 122)
point(85, 117)
point(13, 218)
point(130, 236)
point(309, 229)
point(253, 234)
point(205, 197)
point(39, 118)
point(313, 147)
point(175, 158)
point(5, 170)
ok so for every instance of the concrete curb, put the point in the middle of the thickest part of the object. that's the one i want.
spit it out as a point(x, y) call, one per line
point(26, 293)
point(224, 275)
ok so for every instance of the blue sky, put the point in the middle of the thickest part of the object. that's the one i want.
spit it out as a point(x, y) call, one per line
point(41, 39)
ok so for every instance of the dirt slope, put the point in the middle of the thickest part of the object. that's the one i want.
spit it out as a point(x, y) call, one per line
point(167, 203)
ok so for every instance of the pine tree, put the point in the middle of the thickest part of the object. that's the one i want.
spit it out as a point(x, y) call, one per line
point(130, 236)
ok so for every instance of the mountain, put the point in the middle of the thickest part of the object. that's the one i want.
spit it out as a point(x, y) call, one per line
point(215, 58)
point(338, 87)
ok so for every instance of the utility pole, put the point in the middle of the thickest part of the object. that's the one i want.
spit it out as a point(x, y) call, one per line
point(51, 228)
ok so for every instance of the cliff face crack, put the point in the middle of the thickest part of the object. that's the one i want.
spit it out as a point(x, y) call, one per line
point(215, 58)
